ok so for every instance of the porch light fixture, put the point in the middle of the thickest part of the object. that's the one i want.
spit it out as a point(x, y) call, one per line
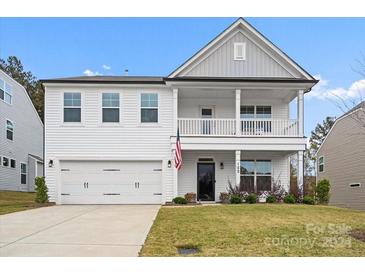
point(222, 165)
point(169, 163)
point(50, 163)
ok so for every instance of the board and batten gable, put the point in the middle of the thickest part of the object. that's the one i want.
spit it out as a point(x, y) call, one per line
point(344, 163)
point(27, 138)
point(128, 140)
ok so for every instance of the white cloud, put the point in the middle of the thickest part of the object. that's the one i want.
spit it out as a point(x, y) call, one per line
point(106, 67)
point(89, 72)
point(322, 90)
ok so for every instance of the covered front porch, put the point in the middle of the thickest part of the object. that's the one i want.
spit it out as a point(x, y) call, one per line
point(209, 172)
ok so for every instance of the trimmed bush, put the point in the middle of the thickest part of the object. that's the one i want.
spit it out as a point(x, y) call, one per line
point(41, 190)
point(289, 199)
point(251, 199)
point(308, 200)
point(323, 191)
point(235, 199)
point(224, 197)
point(271, 199)
point(179, 200)
point(190, 197)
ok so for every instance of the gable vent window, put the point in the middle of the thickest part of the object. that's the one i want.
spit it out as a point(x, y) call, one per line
point(239, 51)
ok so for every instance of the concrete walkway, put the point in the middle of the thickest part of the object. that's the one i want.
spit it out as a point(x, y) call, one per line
point(77, 230)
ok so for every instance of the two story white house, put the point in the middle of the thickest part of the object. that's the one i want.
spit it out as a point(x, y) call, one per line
point(21, 137)
point(111, 139)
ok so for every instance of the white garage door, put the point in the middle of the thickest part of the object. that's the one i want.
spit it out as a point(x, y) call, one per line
point(109, 182)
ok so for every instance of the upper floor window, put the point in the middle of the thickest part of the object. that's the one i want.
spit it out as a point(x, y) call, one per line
point(110, 107)
point(321, 164)
point(9, 130)
point(260, 112)
point(5, 161)
point(239, 51)
point(72, 107)
point(149, 107)
point(12, 163)
point(6, 93)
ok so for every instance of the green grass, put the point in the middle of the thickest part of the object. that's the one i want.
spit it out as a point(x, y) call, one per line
point(255, 230)
point(12, 201)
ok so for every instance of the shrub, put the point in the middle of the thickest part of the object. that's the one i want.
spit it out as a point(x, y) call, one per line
point(224, 197)
point(234, 189)
point(235, 199)
point(278, 190)
point(271, 199)
point(41, 190)
point(322, 191)
point(179, 200)
point(309, 200)
point(289, 199)
point(190, 197)
point(251, 198)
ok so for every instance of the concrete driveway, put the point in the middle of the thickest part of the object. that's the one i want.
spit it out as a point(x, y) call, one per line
point(77, 230)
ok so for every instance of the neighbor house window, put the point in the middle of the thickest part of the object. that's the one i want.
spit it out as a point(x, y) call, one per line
point(72, 107)
point(239, 51)
point(149, 107)
point(5, 161)
point(9, 130)
point(110, 107)
point(23, 173)
point(255, 175)
point(12, 163)
point(321, 164)
point(6, 92)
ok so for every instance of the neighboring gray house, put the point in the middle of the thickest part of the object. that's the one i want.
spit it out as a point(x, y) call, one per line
point(341, 159)
point(111, 139)
point(21, 137)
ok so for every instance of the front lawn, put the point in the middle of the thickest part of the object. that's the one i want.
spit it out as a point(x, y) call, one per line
point(12, 201)
point(256, 230)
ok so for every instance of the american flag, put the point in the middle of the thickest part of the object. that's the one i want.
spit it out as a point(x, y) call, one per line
point(178, 157)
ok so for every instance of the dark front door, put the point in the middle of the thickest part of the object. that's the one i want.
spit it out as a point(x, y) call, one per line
point(206, 181)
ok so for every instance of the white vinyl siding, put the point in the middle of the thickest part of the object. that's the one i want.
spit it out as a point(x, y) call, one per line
point(130, 141)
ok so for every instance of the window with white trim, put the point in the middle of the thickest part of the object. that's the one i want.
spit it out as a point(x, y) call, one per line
point(259, 112)
point(256, 175)
point(23, 173)
point(239, 51)
point(72, 107)
point(6, 93)
point(149, 108)
point(321, 164)
point(110, 107)
point(9, 130)
point(12, 163)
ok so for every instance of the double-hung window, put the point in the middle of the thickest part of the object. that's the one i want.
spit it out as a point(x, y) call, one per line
point(321, 164)
point(72, 107)
point(149, 108)
point(110, 107)
point(6, 92)
point(23, 173)
point(256, 119)
point(9, 130)
point(255, 175)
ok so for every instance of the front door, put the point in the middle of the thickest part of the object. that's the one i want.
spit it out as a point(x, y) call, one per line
point(206, 181)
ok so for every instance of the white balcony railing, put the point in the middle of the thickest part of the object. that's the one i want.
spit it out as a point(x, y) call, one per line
point(216, 127)
point(227, 127)
point(269, 127)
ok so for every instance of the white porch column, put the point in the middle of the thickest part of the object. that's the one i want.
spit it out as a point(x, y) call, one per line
point(238, 167)
point(300, 109)
point(300, 175)
point(175, 94)
point(238, 112)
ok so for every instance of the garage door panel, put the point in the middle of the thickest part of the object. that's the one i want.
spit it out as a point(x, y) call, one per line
point(111, 182)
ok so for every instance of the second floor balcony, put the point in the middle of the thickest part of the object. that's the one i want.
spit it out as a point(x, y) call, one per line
point(246, 127)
